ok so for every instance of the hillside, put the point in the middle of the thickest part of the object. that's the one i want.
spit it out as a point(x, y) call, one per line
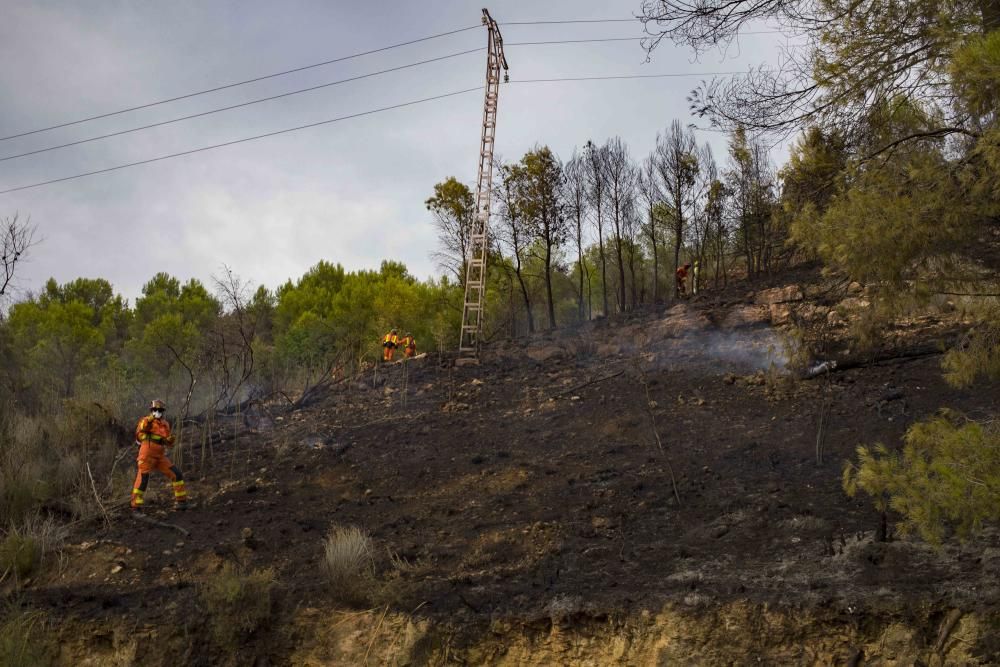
point(523, 512)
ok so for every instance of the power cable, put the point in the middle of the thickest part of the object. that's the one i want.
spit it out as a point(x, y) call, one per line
point(242, 104)
point(611, 39)
point(347, 117)
point(575, 41)
point(243, 140)
point(348, 80)
point(240, 83)
point(349, 57)
point(626, 76)
point(631, 20)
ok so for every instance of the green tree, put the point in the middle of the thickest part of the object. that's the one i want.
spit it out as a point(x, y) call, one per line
point(174, 337)
point(454, 208)
point(66, 331)
point(515, 232)
point(947, 477)
point(538, 183)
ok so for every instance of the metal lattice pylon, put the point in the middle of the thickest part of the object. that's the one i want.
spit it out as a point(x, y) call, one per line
point(475, 271)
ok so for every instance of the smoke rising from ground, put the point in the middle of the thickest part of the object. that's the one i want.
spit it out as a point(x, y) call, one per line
point(742, 350)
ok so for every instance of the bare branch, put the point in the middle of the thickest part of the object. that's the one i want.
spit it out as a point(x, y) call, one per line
point(16, 237)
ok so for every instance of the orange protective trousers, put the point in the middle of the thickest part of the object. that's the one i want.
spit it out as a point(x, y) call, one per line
point(387, 353)
point(153, 456)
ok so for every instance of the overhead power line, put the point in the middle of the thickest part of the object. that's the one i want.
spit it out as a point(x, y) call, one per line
point(575, 41)
point(354, 115)
point(243, 140)
point(242, 104)
point(631, 20)
point(240, 83)
point(616, 39)
point(350, 57)
point(627, 76)
point(342, 81)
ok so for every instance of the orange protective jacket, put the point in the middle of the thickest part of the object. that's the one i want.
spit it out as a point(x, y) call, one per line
point(151, 429)
point(390, 340)
point(682, 273)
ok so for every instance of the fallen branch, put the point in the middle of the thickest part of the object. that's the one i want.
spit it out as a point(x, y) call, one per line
point(894, 357)
point(404, 360)
point(91, 517)
point(97, 497)
point(656, 432)
point(114, 464)
point(819, 435)
point(587, 384)
point(946, 629)
point(150, 520)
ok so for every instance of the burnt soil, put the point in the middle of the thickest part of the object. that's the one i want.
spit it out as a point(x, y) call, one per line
point(501, 490)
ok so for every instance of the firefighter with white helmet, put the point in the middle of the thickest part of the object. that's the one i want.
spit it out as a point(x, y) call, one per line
point(153, 436)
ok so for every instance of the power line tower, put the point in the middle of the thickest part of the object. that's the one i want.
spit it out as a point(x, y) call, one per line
point(475, 272)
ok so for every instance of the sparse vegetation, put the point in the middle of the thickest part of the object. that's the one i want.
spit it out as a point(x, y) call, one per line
point(19, 554)
point(22, 639)
point(25, 545)
point(237, 603)
point(348, 565)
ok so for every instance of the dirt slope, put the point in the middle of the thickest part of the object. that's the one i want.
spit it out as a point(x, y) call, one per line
point(527, 499)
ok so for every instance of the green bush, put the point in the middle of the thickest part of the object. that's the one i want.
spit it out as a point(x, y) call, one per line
point(238, 603)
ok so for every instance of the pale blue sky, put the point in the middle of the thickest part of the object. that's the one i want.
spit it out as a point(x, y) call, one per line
point(350, 192)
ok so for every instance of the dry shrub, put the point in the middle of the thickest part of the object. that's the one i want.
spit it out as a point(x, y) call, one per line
point(23, 456)
point(238, 603)
point(22, 640)
point(19, 495)
point(43, 459)
point(18, 555)
point(25, 545)
point(348, 565)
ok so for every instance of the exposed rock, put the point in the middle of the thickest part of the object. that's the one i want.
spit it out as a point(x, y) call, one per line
point(854, 303)
point(746, 316)
point(810, 312)
point(780, 313)
point(778, 295)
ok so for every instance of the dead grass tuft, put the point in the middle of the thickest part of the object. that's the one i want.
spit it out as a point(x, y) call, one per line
point(348, 565)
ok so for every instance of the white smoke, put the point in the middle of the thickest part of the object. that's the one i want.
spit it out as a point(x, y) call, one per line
point(684, 340)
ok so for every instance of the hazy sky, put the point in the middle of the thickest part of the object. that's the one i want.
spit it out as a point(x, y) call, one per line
point(349, 192)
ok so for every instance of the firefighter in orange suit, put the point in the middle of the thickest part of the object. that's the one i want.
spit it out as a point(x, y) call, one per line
point(409, 345)
point(389, 344)
point(152, 434)
point(682, 274)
